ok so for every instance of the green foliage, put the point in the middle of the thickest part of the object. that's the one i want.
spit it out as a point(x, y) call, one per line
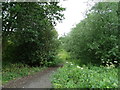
point(12, 71)
point(96, 38)
point(73, 76)
point(63, 55)
point(59, 59)
point(28, 31)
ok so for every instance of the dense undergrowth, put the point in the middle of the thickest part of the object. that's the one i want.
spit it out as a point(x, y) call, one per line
point(93, 50)
point(77, 75)
point(74, 76)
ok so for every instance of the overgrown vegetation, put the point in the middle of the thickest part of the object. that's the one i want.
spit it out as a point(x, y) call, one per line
point(74, 76)
point(96, 38)
point(93, 50)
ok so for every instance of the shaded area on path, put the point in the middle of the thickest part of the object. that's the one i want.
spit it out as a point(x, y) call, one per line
point(38, 80)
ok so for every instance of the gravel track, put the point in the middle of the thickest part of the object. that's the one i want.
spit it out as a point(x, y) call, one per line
point(38, 80)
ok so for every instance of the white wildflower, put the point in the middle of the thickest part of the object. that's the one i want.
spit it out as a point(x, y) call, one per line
point(112, 65)
point(81, 68)
point(66, 62)
point(108, 67)
point(71, 64)
point(115, 61)
point(78, 66)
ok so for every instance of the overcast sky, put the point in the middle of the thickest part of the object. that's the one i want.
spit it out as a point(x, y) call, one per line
point(74, 13)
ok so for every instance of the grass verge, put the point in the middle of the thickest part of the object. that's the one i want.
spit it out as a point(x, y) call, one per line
point(13, 71)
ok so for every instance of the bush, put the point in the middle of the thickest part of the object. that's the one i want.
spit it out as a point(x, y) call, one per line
point(31, 50)
point(96, 38)
point(73, 76)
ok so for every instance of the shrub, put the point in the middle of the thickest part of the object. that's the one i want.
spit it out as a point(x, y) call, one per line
point(96, 38)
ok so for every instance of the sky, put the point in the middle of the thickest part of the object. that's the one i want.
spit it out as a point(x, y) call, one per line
point(74, 13)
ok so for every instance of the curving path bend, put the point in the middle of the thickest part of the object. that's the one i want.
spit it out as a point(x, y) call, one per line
point(38, 80)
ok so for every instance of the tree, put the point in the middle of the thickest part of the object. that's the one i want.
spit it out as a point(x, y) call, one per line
point(28, 31)
point(95, 39)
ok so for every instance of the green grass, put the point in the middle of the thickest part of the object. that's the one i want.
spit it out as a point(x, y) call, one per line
point(73, 76)
point(13, 71)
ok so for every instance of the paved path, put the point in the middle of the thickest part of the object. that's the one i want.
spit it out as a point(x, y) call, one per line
point(39, 80)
